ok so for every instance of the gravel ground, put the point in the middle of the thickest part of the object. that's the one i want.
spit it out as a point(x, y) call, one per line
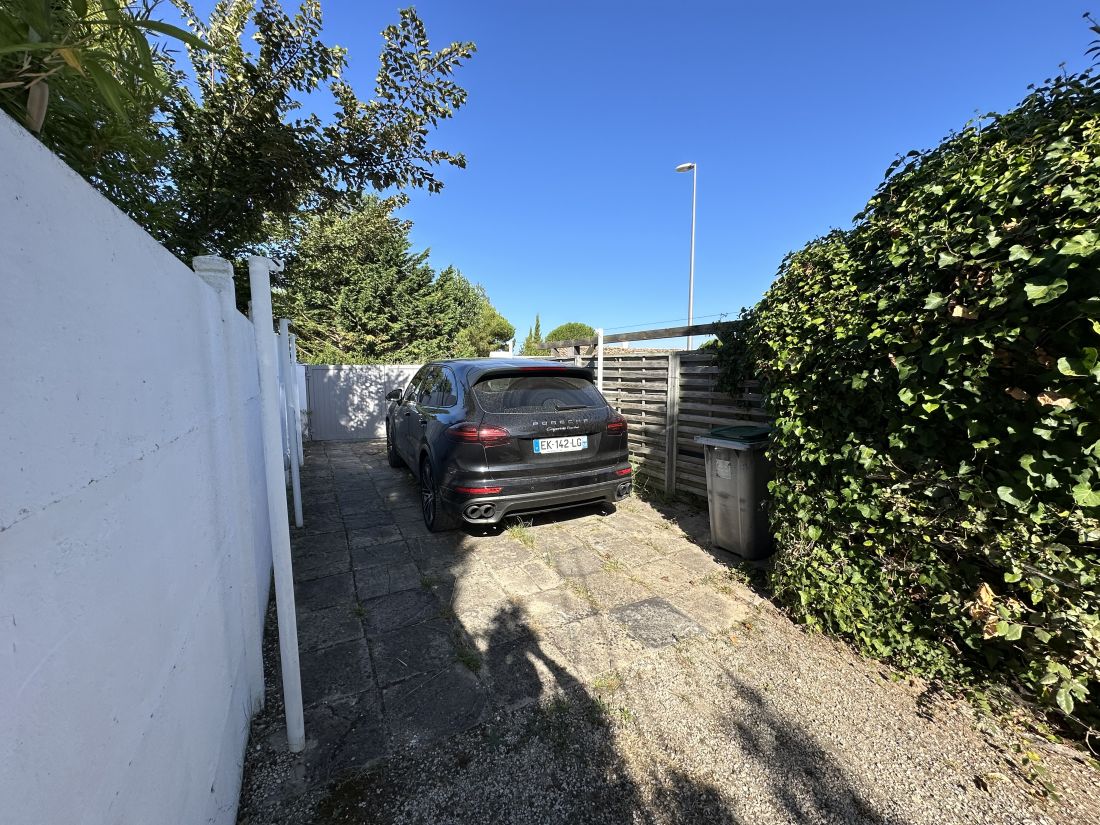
point(766, 725)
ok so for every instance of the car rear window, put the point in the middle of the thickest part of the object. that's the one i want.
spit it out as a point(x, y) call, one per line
point(536, 393)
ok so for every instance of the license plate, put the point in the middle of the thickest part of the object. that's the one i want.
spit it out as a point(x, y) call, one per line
point(560, 445)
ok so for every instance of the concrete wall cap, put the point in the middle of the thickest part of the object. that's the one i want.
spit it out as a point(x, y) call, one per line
point(215, 270)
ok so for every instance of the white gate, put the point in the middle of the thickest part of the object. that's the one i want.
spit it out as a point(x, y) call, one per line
point(348, 402)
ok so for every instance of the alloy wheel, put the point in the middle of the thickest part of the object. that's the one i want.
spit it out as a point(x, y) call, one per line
point(427, 494)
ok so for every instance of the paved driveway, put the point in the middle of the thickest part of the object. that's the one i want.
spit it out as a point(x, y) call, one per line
point(595, 668)
point(407, 636)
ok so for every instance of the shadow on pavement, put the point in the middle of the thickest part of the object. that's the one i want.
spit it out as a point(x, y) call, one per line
point(433, 696)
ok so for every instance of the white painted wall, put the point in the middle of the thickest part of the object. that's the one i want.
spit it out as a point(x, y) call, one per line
point(134, 539)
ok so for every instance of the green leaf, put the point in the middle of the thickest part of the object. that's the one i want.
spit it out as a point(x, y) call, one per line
point(947, 259)
point(1014, 632)
point(1010, 496)
point(1019, 253)
point(1080, 367)
point(934, 301)
point(1086, 495)
point(112, 91)
point(904, 368)
point(1065, 700)
point(1039, 292)
point(1083, 244)
point(175, 32)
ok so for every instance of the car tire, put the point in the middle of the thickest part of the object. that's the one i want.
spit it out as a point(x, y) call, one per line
point(391, 451)
point(436, 519)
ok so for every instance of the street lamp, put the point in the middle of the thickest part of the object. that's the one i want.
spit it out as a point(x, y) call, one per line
point(690, 167)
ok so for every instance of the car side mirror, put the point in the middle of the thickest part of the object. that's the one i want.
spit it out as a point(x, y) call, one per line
point(393, 395)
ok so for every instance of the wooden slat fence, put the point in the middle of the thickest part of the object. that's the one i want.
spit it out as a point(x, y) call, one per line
point(664, 415)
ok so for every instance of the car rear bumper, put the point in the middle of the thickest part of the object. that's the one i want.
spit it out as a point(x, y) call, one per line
point(490, 509)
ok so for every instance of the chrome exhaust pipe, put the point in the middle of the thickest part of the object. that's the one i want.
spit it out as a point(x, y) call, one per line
point(479, 511)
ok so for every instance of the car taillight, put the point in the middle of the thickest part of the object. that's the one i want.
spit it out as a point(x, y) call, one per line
point(623, 472)
point(616, 424)
point(478, 491)
point(473, 434)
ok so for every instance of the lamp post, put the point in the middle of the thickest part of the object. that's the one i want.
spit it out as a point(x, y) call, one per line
point(690, 167)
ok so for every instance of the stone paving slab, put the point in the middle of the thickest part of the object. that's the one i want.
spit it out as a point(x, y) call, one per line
point(373, 534)
point(416, 650)
point(382, 579)
point(656, 623)
point(342, 733)
point(332, 625)
point(714, 611)
point(577, 561)
point(665, 577)
point(371, 555)
point(518, 579)
point(420, 711)
point(550, 608)
point(504, 553)
point(595, 645)
point(526, 670)
point(610, 589)
point(321, 565)
point(328, 591)
point(400, 609)
point(336, 671)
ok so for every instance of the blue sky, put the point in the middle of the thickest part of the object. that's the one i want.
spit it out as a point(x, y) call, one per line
point(579, 112)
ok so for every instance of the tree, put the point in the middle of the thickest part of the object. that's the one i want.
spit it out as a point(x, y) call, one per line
point(534, 337)
point(209, 157)
point(570, 331)
point(489, 331)
point(356, 293)
point(240, 159)
point(83, 77)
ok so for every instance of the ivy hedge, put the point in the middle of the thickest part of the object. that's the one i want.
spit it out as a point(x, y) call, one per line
point(933, 373)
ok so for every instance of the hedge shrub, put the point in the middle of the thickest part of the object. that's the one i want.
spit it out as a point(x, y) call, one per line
point(934, 376)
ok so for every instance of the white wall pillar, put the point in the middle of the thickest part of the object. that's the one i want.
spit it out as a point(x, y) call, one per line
point(259, 273)
point(297, 398)
point(218, 273)
point(290, 381)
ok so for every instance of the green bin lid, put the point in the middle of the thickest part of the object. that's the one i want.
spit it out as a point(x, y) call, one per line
point(746, 433)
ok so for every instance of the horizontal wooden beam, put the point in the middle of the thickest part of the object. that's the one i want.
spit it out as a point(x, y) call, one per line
point(638, 335)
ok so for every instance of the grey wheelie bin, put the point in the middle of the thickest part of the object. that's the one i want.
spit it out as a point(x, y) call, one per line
point(737, 488)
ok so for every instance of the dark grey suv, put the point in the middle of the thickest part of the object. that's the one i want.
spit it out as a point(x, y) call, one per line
point(494, 437)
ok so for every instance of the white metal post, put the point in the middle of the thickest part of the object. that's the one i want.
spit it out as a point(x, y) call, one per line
point(691, 269)
point(259, 272)
point(297, 398)
point(289, 381)
point(599, 359)
point(694, 169)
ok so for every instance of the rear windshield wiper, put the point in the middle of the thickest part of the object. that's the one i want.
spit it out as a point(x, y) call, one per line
point(564, 407)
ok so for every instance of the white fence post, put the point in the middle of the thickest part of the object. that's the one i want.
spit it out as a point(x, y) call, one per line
point(259, 274)
point(290, 380)
point(599, 359)
point(297, 398)
point(218, 273)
